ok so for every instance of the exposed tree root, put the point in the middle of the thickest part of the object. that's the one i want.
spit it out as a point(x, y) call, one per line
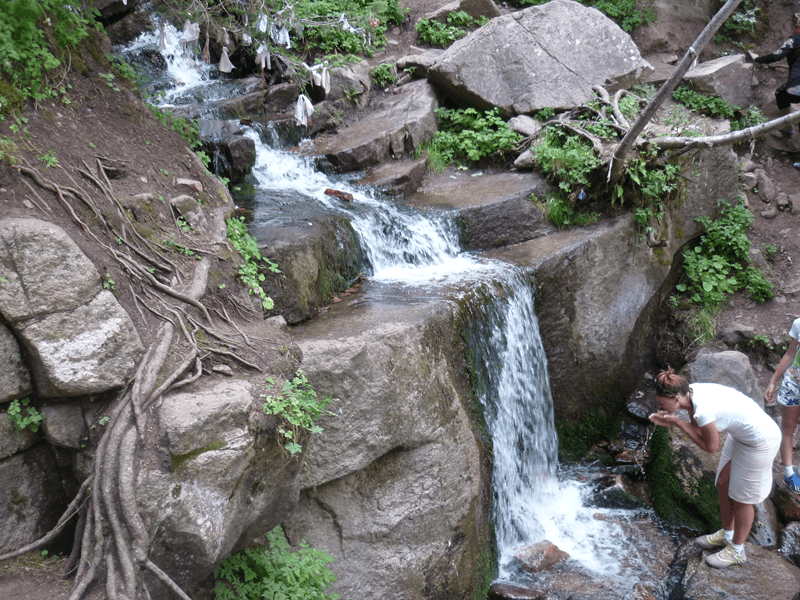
point(111, 539)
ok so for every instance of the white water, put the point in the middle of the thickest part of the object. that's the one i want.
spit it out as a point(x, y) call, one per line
point(532, 501)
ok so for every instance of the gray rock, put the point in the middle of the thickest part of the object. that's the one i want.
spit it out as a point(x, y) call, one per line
point(224, 481)
point(393, 483)
point(419, 64)
point(497, 211)
point(396, 127)
point(87, 350)
point(749, 166)
point(736, 333)
point(13, 440)
point(64, 425)
point(474, 8)
point(525, 125)
point(397, 177)
point(44, 269)
point(790, 542)
point(769, 213)
point(351, 81)
point(783, 202)
point(727, 77)
point(525, 161)
point(234, 153)
point(750, 180)
point(729, 368)
point(764, 531)
point(520, 62)
point(191, 211)
point(15, 379)
point(766, 187)
point(767, 575)
point(31, 497)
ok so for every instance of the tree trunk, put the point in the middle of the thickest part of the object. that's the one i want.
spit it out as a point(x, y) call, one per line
point(617, 162)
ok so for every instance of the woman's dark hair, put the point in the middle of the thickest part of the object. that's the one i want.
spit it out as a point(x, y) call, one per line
point(669, 383)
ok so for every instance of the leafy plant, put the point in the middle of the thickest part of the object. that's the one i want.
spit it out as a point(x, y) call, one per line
point(250, 272)
point(276, 572)
point(299, 405)
point(33, 34)
point(704, 104)
point(719, 265)
point(563, 214)
point(467, 134)
point(752, 117)
point(743, 21)
point(769, 250)
point(186, 128)
point(49, 158)
point(440, 34)
point(628, 14)
point(24, 416)
point(108, 283)
point(565, 156)
point(383, 75)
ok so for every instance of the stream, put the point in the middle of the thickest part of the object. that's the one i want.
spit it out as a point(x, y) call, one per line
point(534, 498)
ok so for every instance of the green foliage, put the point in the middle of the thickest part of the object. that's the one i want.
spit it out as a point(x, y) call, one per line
point(383, 75)
point(467, 134)
point(718, 266)
point(250, 272)
point(701, 325)
point(575, 441)
point(655, 183)
point(440, 34)
point(697, 509)
point(704, 104)
point(186, 128)
point(751, 118)
point(769, 250)
point(26, 30)
point(628, 14)
point(545, 114)
point(565, 156)
point(563, 214)
point(275, 572)
point(298, 404)
point(743, 21)
point(23, 415)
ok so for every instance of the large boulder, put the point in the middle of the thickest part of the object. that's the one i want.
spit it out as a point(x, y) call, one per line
point(728, 77)
point(396, 126)
point(15, 379)
point(729, 368)
point(395, 486)
point(544, 56)
point(222, 481)
point(78, 339)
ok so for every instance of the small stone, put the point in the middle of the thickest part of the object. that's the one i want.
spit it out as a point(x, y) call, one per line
point(770, 213)
point(223, 370)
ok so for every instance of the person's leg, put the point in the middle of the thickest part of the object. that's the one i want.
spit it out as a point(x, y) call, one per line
point(726, 505)
point(789, 417)
point(743, 517)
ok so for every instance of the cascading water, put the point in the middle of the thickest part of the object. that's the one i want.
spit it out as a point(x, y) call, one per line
point(532, 500)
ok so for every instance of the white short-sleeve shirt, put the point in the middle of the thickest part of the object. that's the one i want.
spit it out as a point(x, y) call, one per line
point(733, 412)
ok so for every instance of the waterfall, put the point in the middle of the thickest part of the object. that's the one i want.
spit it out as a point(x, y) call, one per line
point(533, 499)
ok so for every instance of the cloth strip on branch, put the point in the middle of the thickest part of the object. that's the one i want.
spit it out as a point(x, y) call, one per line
point(262, 57)
point(225, 65)
point(320, 76)
point(303, 109)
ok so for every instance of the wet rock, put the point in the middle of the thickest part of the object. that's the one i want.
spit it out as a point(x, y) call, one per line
point(764, 531)
point(787, 504)
point(497, 211)
point(790, 542)
point(397, 177)
point(540, 556)
point(764, 575)
point(506, 591)
point(519, 62)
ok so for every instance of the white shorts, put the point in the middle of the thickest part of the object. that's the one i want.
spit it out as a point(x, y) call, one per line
point(751, 467)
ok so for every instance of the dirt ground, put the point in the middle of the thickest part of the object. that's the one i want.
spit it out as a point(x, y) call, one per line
point(93, 121)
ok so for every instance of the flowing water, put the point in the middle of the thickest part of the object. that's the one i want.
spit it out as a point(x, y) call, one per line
point(533, 499)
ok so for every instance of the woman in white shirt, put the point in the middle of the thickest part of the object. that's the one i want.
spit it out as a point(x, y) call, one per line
point(744, 473)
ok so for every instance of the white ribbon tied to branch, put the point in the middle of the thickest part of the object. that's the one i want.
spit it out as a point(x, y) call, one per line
point(303, 109)
point(320, 76)
point(262, 57)
point(225, 65)
point(191, 34)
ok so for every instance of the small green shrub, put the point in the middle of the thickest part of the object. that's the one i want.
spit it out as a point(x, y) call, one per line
point(299, 405)
point(383, 75)
point(628, 14)
point(250, 272)
point(752, 117)
point(440, 34)
point(276, 572)
point(24, 416)
point(563, 215)
point(719, 265)
point(743, 21)
point(467, 134)
point(566, 157)
point(704, 104)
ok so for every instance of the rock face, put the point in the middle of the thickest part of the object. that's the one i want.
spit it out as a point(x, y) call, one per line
point(544, 56)
point(78, 338)
point(224, 480)
point(395, 488)
point(396, 126)
point(728, 77)
point(594, 306)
